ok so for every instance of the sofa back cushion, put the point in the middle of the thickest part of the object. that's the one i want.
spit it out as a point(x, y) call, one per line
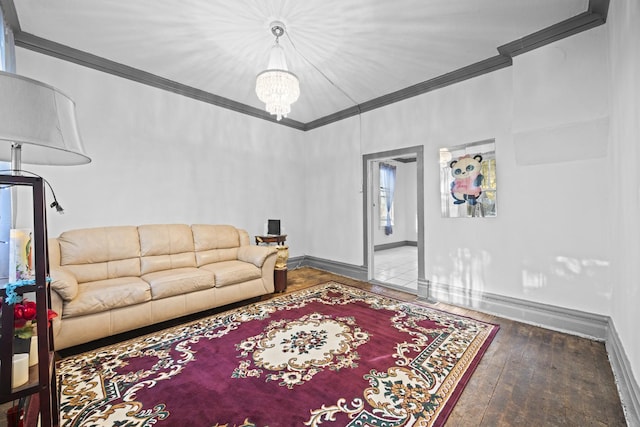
point(215, 243)
point(244, 237)
point(101, 253)
point(166, 246)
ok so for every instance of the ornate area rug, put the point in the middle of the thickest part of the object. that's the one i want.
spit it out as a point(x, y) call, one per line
point(331, 355)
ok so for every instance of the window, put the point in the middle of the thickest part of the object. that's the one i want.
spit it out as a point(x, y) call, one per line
point(383, 208)
point(7, 47)
point(7, 63)
point(387, 189)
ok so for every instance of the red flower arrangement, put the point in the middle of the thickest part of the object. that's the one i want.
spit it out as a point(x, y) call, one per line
point(24, 318)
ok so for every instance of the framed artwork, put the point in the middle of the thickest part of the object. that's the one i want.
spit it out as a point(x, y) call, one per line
point(468, 180)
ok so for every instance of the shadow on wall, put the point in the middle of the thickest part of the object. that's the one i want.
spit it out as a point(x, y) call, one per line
point(463, 283)
point(460, 278)
point(563, 269)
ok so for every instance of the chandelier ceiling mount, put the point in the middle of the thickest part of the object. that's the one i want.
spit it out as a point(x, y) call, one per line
point(277, 29)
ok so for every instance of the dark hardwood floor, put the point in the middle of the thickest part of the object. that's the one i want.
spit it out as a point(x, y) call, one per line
point(529, 376)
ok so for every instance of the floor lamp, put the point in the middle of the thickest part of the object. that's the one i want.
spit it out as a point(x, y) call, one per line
point(38, 126)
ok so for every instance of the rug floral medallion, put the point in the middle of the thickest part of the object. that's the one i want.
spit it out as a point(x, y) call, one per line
point(331, 355)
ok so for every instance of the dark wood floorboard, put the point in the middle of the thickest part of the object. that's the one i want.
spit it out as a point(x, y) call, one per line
point(529, 376)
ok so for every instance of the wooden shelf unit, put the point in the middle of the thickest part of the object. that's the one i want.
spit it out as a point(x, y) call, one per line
point(42, 377)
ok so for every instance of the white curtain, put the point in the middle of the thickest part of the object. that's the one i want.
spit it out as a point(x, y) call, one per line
point(388, 182)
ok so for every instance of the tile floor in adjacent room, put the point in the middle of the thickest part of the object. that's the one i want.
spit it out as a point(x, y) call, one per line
point(398, 267)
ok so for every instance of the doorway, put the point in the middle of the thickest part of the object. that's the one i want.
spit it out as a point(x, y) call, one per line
point(395, 261)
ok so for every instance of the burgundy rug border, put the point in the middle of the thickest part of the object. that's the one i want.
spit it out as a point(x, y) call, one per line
point(466, 377)
point(462, 384)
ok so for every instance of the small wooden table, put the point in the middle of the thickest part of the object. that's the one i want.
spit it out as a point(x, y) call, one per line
point(280, 271)
point(279, 239)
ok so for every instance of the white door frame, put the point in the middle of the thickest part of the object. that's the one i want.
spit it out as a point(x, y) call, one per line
point(367, 209)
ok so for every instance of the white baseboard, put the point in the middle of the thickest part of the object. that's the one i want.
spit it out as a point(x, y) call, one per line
point(343, 269)
point(575, 322)
point(627, 385)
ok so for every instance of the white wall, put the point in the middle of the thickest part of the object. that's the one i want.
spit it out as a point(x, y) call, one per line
point(163, 158)
point(409, 201)
point(333, 182)
point(624, 43)
point(548, 243)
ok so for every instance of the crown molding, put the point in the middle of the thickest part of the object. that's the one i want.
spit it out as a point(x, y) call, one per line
point(477, 69)
point(599, 7)
point(577, 24)
point(595, 15)
point(66, 53)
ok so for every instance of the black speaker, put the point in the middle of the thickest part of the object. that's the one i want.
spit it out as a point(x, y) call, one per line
point(273, 227)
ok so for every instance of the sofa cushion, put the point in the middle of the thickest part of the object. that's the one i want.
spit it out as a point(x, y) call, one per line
point(230, 272)
point(244, 237)
point(165, 247)
point(178, 281)
point(105, 270)
point(93, 254)
point(103, 295)
point(216, 255)
point(206, 236)
point(215, 243)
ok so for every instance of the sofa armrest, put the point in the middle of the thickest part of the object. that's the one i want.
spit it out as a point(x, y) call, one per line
point(57, 305)
point(64, 283)
point(256, 255)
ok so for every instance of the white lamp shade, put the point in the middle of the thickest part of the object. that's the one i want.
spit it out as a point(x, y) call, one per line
point(41, 118)
point(277, 61)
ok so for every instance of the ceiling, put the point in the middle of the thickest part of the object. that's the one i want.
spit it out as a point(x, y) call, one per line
point(350, 55)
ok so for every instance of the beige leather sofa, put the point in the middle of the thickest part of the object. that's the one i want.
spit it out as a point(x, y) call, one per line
point(114, 279)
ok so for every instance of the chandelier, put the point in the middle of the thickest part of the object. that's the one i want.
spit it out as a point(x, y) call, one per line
point(276, 86)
